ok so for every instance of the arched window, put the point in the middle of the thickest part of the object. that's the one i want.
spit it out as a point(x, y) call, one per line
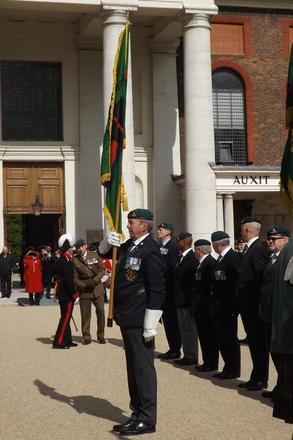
point(229, 118)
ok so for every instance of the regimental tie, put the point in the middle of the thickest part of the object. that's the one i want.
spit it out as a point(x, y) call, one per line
point(273, 258)
point(220, 258)
point(245, 249)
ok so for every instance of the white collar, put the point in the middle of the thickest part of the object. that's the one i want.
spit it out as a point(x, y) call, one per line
point(203, 258)
point(252, 240)
point(185, 252)
point(225, 251)
point(138, 240)
point(164, 242)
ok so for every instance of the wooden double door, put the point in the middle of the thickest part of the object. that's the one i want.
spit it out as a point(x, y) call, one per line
point(24, 183)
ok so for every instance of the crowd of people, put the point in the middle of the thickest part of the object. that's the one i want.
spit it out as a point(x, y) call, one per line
point(200, 299)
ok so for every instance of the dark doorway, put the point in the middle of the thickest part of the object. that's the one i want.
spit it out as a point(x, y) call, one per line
point(42, 229)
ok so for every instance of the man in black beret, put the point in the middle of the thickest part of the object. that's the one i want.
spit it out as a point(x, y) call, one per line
point(277, 239)
point(248, 288)
point(201, 305)
point(139, 296)
point(184, 274)
point(224, 304)
point(170, 254)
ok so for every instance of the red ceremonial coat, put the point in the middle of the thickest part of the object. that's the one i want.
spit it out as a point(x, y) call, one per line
point(32, 274)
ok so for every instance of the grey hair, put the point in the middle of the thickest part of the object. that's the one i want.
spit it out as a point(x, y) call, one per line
point(254, 225)
point(149, 224)
point(206, 249)
point(225, 242)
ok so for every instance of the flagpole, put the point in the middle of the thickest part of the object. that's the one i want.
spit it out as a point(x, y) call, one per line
point(114, 262)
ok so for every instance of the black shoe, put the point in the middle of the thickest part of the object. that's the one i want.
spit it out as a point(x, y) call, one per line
point(228, 376)
point(256, 385)
point(127, 424)
point(218, 375)
point(86, 342)
point(170, 355)
point(72, 344)
point(205, 368)
point(102, 341)
point(185, 361)
point(268, 394)
point(138, 427)
point(60, 347)
point(245, 384)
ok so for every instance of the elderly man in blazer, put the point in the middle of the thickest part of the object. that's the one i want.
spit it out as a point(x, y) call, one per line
point(248, 290)
point(202, 306)
point(224, 303)
point(184, 275)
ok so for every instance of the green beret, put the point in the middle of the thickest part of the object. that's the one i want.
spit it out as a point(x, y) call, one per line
point(202, 242)
point(166, 226)
point(80, 242)
point(140, 214)
point(279, 231)
point(183, 235)
point(250, 219)
point(219, 235)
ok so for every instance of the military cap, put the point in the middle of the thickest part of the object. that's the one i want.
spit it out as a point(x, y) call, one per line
point(202, 242)
point(240, 240)
point(279, 231)
point(250, 219)
point(219, 235)
point(65, 242)
point(80, 242)
point(168, 226)
point(183, 235)
point(140, 214)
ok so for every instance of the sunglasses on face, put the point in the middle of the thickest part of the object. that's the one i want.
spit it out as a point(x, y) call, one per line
point(275, 238)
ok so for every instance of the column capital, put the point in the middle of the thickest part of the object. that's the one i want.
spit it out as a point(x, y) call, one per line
point(196, 20)
point(229, 196)
point(164, 46)
point(114, 16)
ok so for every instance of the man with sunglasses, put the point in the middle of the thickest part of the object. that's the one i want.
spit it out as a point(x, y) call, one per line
point(277, 238)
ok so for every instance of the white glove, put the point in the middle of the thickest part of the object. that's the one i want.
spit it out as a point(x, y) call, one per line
point(151, 319)
point(113, 239)
point(105, 278)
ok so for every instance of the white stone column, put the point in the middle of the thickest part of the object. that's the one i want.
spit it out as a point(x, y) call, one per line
point(70, 190)
point(200, 180)
point(220, 213)
point(229, 216)
point(113, 24)
point(166, 131)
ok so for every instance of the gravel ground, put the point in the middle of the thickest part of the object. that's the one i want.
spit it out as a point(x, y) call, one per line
point(80, 393)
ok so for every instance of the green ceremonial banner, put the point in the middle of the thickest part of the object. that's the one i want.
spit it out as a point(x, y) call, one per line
point(115, 138)
point(286, 173)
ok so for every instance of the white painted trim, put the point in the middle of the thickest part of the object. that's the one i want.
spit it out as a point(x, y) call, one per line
point(232, 181)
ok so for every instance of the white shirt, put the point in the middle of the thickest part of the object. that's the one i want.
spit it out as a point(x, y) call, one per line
point(225, 251)
point(138, 240)
point(164, 242)
point(203, 258)
point(252, 240)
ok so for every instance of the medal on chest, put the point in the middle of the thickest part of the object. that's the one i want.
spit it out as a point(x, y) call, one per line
point(132, 266)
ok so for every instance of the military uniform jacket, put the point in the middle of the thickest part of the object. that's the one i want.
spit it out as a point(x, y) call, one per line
point(139, 282)
point(250, 274)
point(184, 275)
point(224, 290)
point(88, 273)
point(202, 282)
point(266, 296)
point(170, 254)
point(64, 272)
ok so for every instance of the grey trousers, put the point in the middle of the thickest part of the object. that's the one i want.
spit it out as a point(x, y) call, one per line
point(188, 332)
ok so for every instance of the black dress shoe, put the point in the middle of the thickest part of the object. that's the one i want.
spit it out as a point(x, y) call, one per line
point(102, 341)
point(228, 376)
point(185, 361)
point(138, 427)
point(218, 375)
point(170, 355)
point(256, 385)
point(205, 368)
point(60, 347)
point(73, 344)
point(268, 394)
point(86, 341)
point(127, 424)
point(244, 384)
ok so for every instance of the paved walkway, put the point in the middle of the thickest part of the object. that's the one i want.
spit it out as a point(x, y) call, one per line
point(78, 394)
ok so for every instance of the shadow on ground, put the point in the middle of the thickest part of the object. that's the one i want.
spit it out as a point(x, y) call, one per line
point(93, 406)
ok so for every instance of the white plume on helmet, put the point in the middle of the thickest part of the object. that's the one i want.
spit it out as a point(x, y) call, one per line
point(65, 237)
